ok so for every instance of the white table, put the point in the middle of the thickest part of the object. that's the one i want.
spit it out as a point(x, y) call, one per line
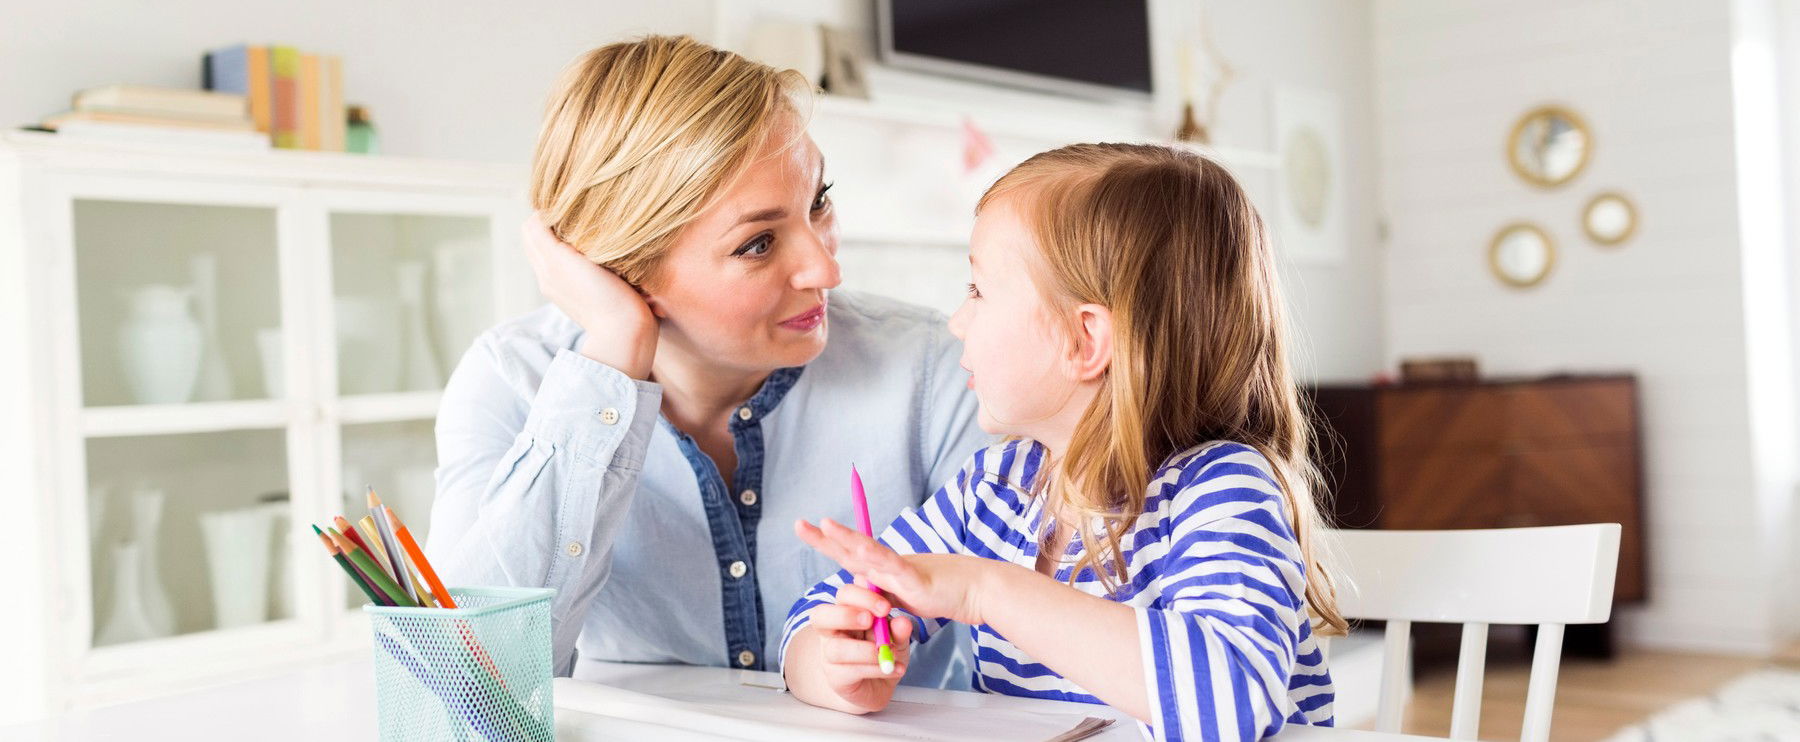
point(333, 700)
point(588, 709)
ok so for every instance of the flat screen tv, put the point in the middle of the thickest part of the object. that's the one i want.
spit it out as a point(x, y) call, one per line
point(1088, 48)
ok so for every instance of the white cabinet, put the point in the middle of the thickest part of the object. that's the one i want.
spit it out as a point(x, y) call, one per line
point(203, 353)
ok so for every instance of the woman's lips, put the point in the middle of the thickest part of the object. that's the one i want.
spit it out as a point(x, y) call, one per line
point(806, 321)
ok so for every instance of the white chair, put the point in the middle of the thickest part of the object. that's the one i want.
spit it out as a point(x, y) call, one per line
point(1549, 577)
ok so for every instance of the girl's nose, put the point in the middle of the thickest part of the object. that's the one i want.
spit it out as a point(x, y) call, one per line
point(959, 321)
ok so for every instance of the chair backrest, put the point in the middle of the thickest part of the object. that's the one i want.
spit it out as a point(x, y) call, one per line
point(1548, 577)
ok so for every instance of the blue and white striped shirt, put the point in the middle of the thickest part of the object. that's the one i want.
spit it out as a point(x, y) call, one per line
point(1215, 575)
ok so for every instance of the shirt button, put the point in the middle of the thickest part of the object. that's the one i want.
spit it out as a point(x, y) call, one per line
point(738, 570)
point(748, 497)
point(573, 549)
point(744, 413)
point(746, 658)
point(609, 416)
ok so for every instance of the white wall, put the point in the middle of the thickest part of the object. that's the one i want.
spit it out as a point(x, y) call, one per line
point(1327, 46)
point(1654, 79)
point(1324, 47)
point(467, 80)
point(458, 80)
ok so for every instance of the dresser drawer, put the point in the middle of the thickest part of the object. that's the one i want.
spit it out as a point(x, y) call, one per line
point(1555, 413)
point(1443, 491)
point(1441, 419)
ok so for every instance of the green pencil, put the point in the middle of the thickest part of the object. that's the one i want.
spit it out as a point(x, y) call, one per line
point(382, 581)
point(348, 570)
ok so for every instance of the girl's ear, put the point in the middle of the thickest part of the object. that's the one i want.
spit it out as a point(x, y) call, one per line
point(1093, 341)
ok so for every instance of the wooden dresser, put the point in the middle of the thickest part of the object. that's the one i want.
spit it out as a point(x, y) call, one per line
point(1489, 454)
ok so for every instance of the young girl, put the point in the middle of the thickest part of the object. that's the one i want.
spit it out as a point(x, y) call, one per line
point(1145, 538)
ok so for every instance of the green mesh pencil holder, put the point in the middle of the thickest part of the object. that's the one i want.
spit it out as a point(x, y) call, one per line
point(480, 671)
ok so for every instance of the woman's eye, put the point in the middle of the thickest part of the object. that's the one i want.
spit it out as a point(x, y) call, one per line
point(756, 247)
point(974, 293)
point(822, 200)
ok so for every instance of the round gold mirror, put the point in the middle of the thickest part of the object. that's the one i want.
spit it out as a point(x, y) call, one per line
point(1609, 219)
point(1549, 146)
point(1521, 255)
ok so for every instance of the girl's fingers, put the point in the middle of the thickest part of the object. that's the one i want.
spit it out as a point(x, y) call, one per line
point(847, 651)
point(843, 675)
point(825, 544)
point(864, 599)
point(872, 558)
point(859, 554)
point(900, 629)
point(841, 618)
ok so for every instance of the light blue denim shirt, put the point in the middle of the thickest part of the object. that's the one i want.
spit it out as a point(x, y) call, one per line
point(558, 471)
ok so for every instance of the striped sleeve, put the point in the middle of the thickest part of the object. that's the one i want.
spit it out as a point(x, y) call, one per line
point(1220, 642)
point(935, 527)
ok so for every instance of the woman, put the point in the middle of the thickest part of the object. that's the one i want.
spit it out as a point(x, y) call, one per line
point(642, 443)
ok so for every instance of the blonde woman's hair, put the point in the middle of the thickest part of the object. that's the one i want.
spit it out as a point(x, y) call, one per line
point(640, 136)
point(1168, 241)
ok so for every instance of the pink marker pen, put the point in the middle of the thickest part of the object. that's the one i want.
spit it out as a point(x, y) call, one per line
point(862, 519)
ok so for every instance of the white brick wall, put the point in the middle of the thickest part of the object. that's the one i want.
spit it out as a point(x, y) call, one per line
point(1653, 79)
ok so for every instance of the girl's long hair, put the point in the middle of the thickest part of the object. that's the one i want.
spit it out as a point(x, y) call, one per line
point(1169, 242)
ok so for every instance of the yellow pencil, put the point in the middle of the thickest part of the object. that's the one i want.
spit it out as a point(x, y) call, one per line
point(372, 532)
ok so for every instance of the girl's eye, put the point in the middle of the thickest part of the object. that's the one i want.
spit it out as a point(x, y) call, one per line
point(757, 247)
point(974, 293)
point(822, 200)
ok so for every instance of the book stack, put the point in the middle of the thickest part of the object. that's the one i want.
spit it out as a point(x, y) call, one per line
point(166, 115)
point(295, 97)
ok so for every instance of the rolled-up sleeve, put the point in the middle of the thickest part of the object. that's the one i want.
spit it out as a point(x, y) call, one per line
point(532, 483)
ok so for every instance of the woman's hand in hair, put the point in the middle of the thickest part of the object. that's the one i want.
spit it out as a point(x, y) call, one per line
point(621, 329)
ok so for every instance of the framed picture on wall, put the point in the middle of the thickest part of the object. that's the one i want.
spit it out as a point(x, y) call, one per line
point(1308, 222)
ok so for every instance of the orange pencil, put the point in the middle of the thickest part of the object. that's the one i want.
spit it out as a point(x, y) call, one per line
point(418, 559)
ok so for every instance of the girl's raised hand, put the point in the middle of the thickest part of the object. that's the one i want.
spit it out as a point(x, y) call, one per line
point(621, 329)
point(926, 585)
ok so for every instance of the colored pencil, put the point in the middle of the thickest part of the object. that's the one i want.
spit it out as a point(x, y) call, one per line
point(372, 532)
point(404, 535)
point(382, 581)
point(348, 568)
point(391, 548)
point(861, 500)
point(349, 531)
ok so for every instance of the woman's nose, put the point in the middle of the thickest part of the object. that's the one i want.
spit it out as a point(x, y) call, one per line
point(819, 266)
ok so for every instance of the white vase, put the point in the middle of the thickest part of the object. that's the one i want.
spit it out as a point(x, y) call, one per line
point(419, 366)
point(367, 344)
point(239, 549)
point(159, 345)
point(214, 382)
point(129, 620)
point(146, 528)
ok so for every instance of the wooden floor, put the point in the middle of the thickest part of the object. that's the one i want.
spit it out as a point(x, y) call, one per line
point(1594, 698)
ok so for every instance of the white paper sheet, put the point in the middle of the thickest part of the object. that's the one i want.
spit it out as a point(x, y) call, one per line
point(738, 705)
